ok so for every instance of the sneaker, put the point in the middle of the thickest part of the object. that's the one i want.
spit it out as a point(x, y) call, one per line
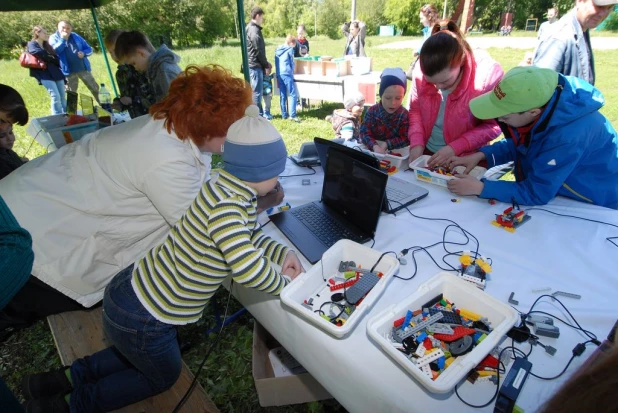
point(36, 386)
point(268, 116)
point(295, 119)
point(54, 404)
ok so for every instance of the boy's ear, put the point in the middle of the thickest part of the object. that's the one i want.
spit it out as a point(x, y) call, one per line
point(535, 112)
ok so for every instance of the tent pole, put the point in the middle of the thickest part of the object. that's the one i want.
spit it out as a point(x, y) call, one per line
point(98, 29)
point(243, 39)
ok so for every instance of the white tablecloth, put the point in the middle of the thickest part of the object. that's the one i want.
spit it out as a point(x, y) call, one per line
point(548, 251)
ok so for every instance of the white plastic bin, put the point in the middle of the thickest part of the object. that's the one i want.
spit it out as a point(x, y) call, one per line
point(360, 65)
point(419, 165)
point(396, 161)
point(312, 282)
point(48, 130)
point(466, 296)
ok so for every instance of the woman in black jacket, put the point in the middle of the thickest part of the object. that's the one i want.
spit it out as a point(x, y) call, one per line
point(52, 78)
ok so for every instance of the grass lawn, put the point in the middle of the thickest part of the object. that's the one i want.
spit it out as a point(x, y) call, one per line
point(227, 374)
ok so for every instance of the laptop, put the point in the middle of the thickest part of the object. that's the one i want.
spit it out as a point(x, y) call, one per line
point(399, 193)
point(352, 197)
point(307, 156)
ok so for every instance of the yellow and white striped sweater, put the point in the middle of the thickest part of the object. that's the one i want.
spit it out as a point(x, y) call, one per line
point(217, 236)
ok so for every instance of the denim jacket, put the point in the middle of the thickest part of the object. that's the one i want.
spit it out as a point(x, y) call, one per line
point(567, 49)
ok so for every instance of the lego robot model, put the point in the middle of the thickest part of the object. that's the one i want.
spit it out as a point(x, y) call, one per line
point(512, 218)
point(474, 270)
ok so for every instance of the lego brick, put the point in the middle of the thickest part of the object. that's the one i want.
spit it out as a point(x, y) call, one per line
point(461, 346)
point(449, 317)
point(569, 295)
point(408, 318)
point(362, 287)
point(398, 322)
point(459, 332)
point(433, 301)
point(511, 300)
point(440, 328)
point(428, 358)
point(420, 351)
point(401, 334)
point(427, 371)
point(540, 319)
point(469, 315)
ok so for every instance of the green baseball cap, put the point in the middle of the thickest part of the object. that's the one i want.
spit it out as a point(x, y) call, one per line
point(522, 88)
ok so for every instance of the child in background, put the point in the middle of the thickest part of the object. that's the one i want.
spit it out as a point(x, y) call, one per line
point(12, 110)
point(284, 66)
point(385, 126)
point(136, 95)
point(346, 122)
point(302, 44)
point(267, 94)
point(160, 66)
point(218, 237)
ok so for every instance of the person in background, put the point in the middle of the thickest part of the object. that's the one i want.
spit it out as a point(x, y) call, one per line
point(346, 122)
point(385, 126)
point(302, 44)
point(546, 27)
point(555, 135)
point(354, 33)
point(73, 52)
point(429, 17)
point(136, 95)
point(160, 66)
point(256, 53)
point(218, 237)
point(12, 110)
point(99, 204)
point(284, 67)
point(52, 77)
point(447, 77)
point(527, 59)
point(567, 49)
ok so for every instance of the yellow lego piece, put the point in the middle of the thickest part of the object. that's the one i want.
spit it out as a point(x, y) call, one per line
point(465, 259)
point(484, 265)
point(469, 315)
point(449, 361)
point(486, 373)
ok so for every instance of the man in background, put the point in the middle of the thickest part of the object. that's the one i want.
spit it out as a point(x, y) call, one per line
point(256, 53)
point(545, 29)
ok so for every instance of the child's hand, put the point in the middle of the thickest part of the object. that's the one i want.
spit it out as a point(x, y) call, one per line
point(465, 185)
point(469, 162)
point(380, 147)
point(291, 265)
point(441, 157)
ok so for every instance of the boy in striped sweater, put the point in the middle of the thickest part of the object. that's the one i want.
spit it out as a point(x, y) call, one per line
point(217, 237)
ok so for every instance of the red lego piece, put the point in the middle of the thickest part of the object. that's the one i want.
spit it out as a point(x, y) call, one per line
point(492, 201)
point(427, 343)
point(416, 312)
point(399, 322)
point(459, 333)
point(489, 361)
point(346, 284)
point(331, 281)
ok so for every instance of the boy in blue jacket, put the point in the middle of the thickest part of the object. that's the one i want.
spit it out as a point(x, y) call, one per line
point(284, 66)
point(560, 143)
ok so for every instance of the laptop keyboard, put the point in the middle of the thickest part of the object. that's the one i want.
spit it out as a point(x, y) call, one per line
point(325, 228)
point(393, 194)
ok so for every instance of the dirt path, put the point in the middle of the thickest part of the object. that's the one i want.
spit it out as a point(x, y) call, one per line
point(598, 43)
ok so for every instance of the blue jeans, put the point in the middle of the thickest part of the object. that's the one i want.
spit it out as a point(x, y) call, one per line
point(144, 359)
point(256, 74)
point(287, 87)
point(58, 95)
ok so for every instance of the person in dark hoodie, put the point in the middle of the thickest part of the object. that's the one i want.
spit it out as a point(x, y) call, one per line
point(302, 44)
point(51, 77)
point(256, 53)
point(284, 67)
point(161, 66)
point(560, 143)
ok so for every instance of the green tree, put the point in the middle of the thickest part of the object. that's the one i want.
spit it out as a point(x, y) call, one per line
point(404, 14)
point(331, 15)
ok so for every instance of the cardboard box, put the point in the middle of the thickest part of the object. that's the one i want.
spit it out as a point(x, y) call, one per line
point(280, 391)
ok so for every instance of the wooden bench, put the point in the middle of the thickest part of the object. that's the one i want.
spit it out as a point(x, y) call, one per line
point(80, 333)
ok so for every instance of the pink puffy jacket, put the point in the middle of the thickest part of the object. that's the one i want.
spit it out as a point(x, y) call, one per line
point(462, 131)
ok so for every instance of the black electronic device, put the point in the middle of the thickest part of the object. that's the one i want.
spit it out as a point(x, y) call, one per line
point(512, 385)
point(307, 155)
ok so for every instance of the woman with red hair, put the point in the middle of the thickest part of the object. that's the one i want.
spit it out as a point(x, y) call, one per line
point(97, 205)
point(447, 77)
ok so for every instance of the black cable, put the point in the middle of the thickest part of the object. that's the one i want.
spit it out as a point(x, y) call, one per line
point(373, 242)
point(380, 259)
point(32, 143)
point(313, 172)
point(610, 239)
point(264, 224)
point(577, 351)
point(212, 346)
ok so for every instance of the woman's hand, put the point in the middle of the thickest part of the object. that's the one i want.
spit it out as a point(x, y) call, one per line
point(416, 152)
point(291, 265)
point(469, 162)
point(465, 185)
point(441, 157)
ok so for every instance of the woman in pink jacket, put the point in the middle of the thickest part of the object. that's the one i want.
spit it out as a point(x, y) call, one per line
point(448, 77)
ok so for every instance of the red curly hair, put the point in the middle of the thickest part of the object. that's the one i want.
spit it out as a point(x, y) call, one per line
point(202, 103)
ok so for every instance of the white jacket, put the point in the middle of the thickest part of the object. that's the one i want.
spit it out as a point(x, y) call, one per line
point(97, 205)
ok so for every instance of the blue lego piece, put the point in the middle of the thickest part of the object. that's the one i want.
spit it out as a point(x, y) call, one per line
point(440, 362)
point(421, 337)
point(477, 336)
point(406, 321)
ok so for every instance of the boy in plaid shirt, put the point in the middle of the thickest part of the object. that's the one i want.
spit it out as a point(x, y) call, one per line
point(385, 125)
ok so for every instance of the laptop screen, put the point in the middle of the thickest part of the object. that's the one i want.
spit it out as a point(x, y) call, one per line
point(353, 189)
